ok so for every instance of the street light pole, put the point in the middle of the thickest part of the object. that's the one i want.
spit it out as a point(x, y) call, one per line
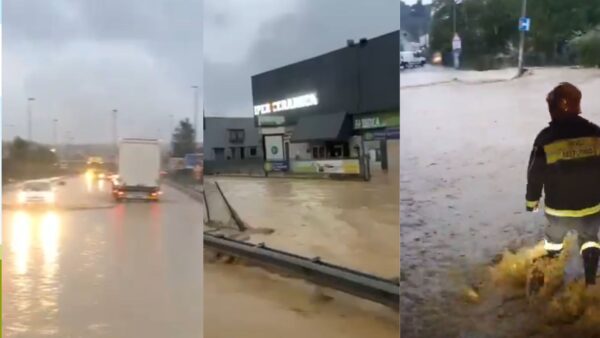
point(29, 118)
point(454, 16)
point(522, 40)
point(195, 112)
point(54, 132)
point(114, 129)
point(67, 145)
point(171, 118)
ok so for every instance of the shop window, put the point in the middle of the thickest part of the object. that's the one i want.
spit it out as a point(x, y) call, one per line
point(236, 135)
point(318, 152)
point(252, 151)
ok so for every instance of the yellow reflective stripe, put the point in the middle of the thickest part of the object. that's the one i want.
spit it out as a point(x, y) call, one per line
point(588, 245)
point(532, 204)
point(572, 149)
point(573, 213)
point(549, 246)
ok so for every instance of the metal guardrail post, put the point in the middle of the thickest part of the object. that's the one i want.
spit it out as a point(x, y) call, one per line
point(362, 285)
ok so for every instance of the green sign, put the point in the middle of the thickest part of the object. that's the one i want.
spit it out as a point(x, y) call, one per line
point(270, 120)
point(274, 150)
point(375, 121)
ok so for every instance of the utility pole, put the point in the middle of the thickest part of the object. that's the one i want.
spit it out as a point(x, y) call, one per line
point(195, 112)
point(29, 118)
point(454, 16)
point(114, 131)
point(67, 145)
point(54, 132)
point(522, 40)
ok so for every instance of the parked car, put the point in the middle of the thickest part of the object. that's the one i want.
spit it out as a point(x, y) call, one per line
point(409, 59)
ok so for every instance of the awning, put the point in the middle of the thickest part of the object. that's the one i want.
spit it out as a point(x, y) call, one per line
point(324, 127)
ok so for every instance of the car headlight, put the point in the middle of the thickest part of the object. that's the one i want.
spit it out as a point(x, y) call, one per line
point(51, 198)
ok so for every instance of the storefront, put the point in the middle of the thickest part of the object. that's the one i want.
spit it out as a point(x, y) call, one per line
point(322, 115)
point(380, 133)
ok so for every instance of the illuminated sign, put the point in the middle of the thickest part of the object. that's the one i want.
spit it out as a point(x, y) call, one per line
point(287, 104)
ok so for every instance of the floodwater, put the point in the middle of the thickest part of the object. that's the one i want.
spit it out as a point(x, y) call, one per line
point(93, 269)
point(465, 148)
point(353, 224)
point(349, 223)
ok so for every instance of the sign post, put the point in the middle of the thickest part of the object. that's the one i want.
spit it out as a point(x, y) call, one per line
point(456, 49)
point(524, 26)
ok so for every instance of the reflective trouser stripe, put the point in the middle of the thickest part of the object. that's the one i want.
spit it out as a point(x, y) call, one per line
point(549, 246)
point(573, 213)
point(588, 245)
point(531, 204)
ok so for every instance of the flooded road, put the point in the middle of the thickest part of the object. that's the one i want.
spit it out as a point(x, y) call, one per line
point(464, 154)
point(353, 224)
point(90, 269)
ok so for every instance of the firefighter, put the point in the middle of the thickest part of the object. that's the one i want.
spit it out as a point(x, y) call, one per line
point(565, 164)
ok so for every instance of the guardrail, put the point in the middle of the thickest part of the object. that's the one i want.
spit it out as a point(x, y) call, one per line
point(346, 280)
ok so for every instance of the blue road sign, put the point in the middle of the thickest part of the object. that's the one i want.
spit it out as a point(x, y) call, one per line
point(524, 24)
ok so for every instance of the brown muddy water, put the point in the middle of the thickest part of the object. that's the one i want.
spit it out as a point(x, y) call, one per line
point(463, 163)
point(353, 224)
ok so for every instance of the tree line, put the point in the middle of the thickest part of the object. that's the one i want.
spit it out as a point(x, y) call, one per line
point(562, 32)
point(28, 160)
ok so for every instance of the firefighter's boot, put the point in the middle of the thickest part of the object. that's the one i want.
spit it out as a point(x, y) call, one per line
point(590, 264)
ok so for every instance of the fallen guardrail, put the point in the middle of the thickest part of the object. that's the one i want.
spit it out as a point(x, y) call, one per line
point(359, 284)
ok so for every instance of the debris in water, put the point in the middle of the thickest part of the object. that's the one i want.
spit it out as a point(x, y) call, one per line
point(471, 295)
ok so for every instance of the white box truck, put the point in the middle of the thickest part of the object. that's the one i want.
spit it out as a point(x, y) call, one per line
point(139, 170)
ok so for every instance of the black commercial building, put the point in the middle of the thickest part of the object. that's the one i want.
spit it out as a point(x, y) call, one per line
point(324, 112)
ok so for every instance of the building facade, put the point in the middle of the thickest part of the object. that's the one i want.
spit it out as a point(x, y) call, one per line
point(231, 144)
point(322, 114)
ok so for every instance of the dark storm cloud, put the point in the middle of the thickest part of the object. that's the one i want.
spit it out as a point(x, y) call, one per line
point(300, 29)
point(81, 59)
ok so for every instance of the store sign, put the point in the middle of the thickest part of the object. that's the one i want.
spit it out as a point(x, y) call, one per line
point(266, 120)
point(287, 104)
point(385, 120)
point(381, 135)
point(276, 166)
point(350, 166)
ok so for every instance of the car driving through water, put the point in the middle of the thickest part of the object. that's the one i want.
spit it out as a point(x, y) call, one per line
point(37, 193)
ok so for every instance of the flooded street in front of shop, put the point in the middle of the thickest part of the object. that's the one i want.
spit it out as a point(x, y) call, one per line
point(465, 148)
point(348, 223)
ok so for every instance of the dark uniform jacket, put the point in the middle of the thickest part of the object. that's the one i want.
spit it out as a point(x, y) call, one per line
point(565, 162)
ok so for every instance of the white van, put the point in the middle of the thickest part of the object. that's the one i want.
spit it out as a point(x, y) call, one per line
point(410, 59)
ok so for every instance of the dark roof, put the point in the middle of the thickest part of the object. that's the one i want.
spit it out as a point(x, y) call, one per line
point(326, 127)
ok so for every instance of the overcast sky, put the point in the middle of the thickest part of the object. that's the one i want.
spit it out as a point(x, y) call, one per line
point(412, 2)
point(81, 59)
point(243, 38)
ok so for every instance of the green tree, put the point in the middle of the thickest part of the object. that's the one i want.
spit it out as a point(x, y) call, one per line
point(489, 28)
point(184, 139)
point(556, 22)
point(486, 28)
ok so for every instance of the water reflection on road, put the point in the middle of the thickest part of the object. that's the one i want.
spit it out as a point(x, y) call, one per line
point(134, 270)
